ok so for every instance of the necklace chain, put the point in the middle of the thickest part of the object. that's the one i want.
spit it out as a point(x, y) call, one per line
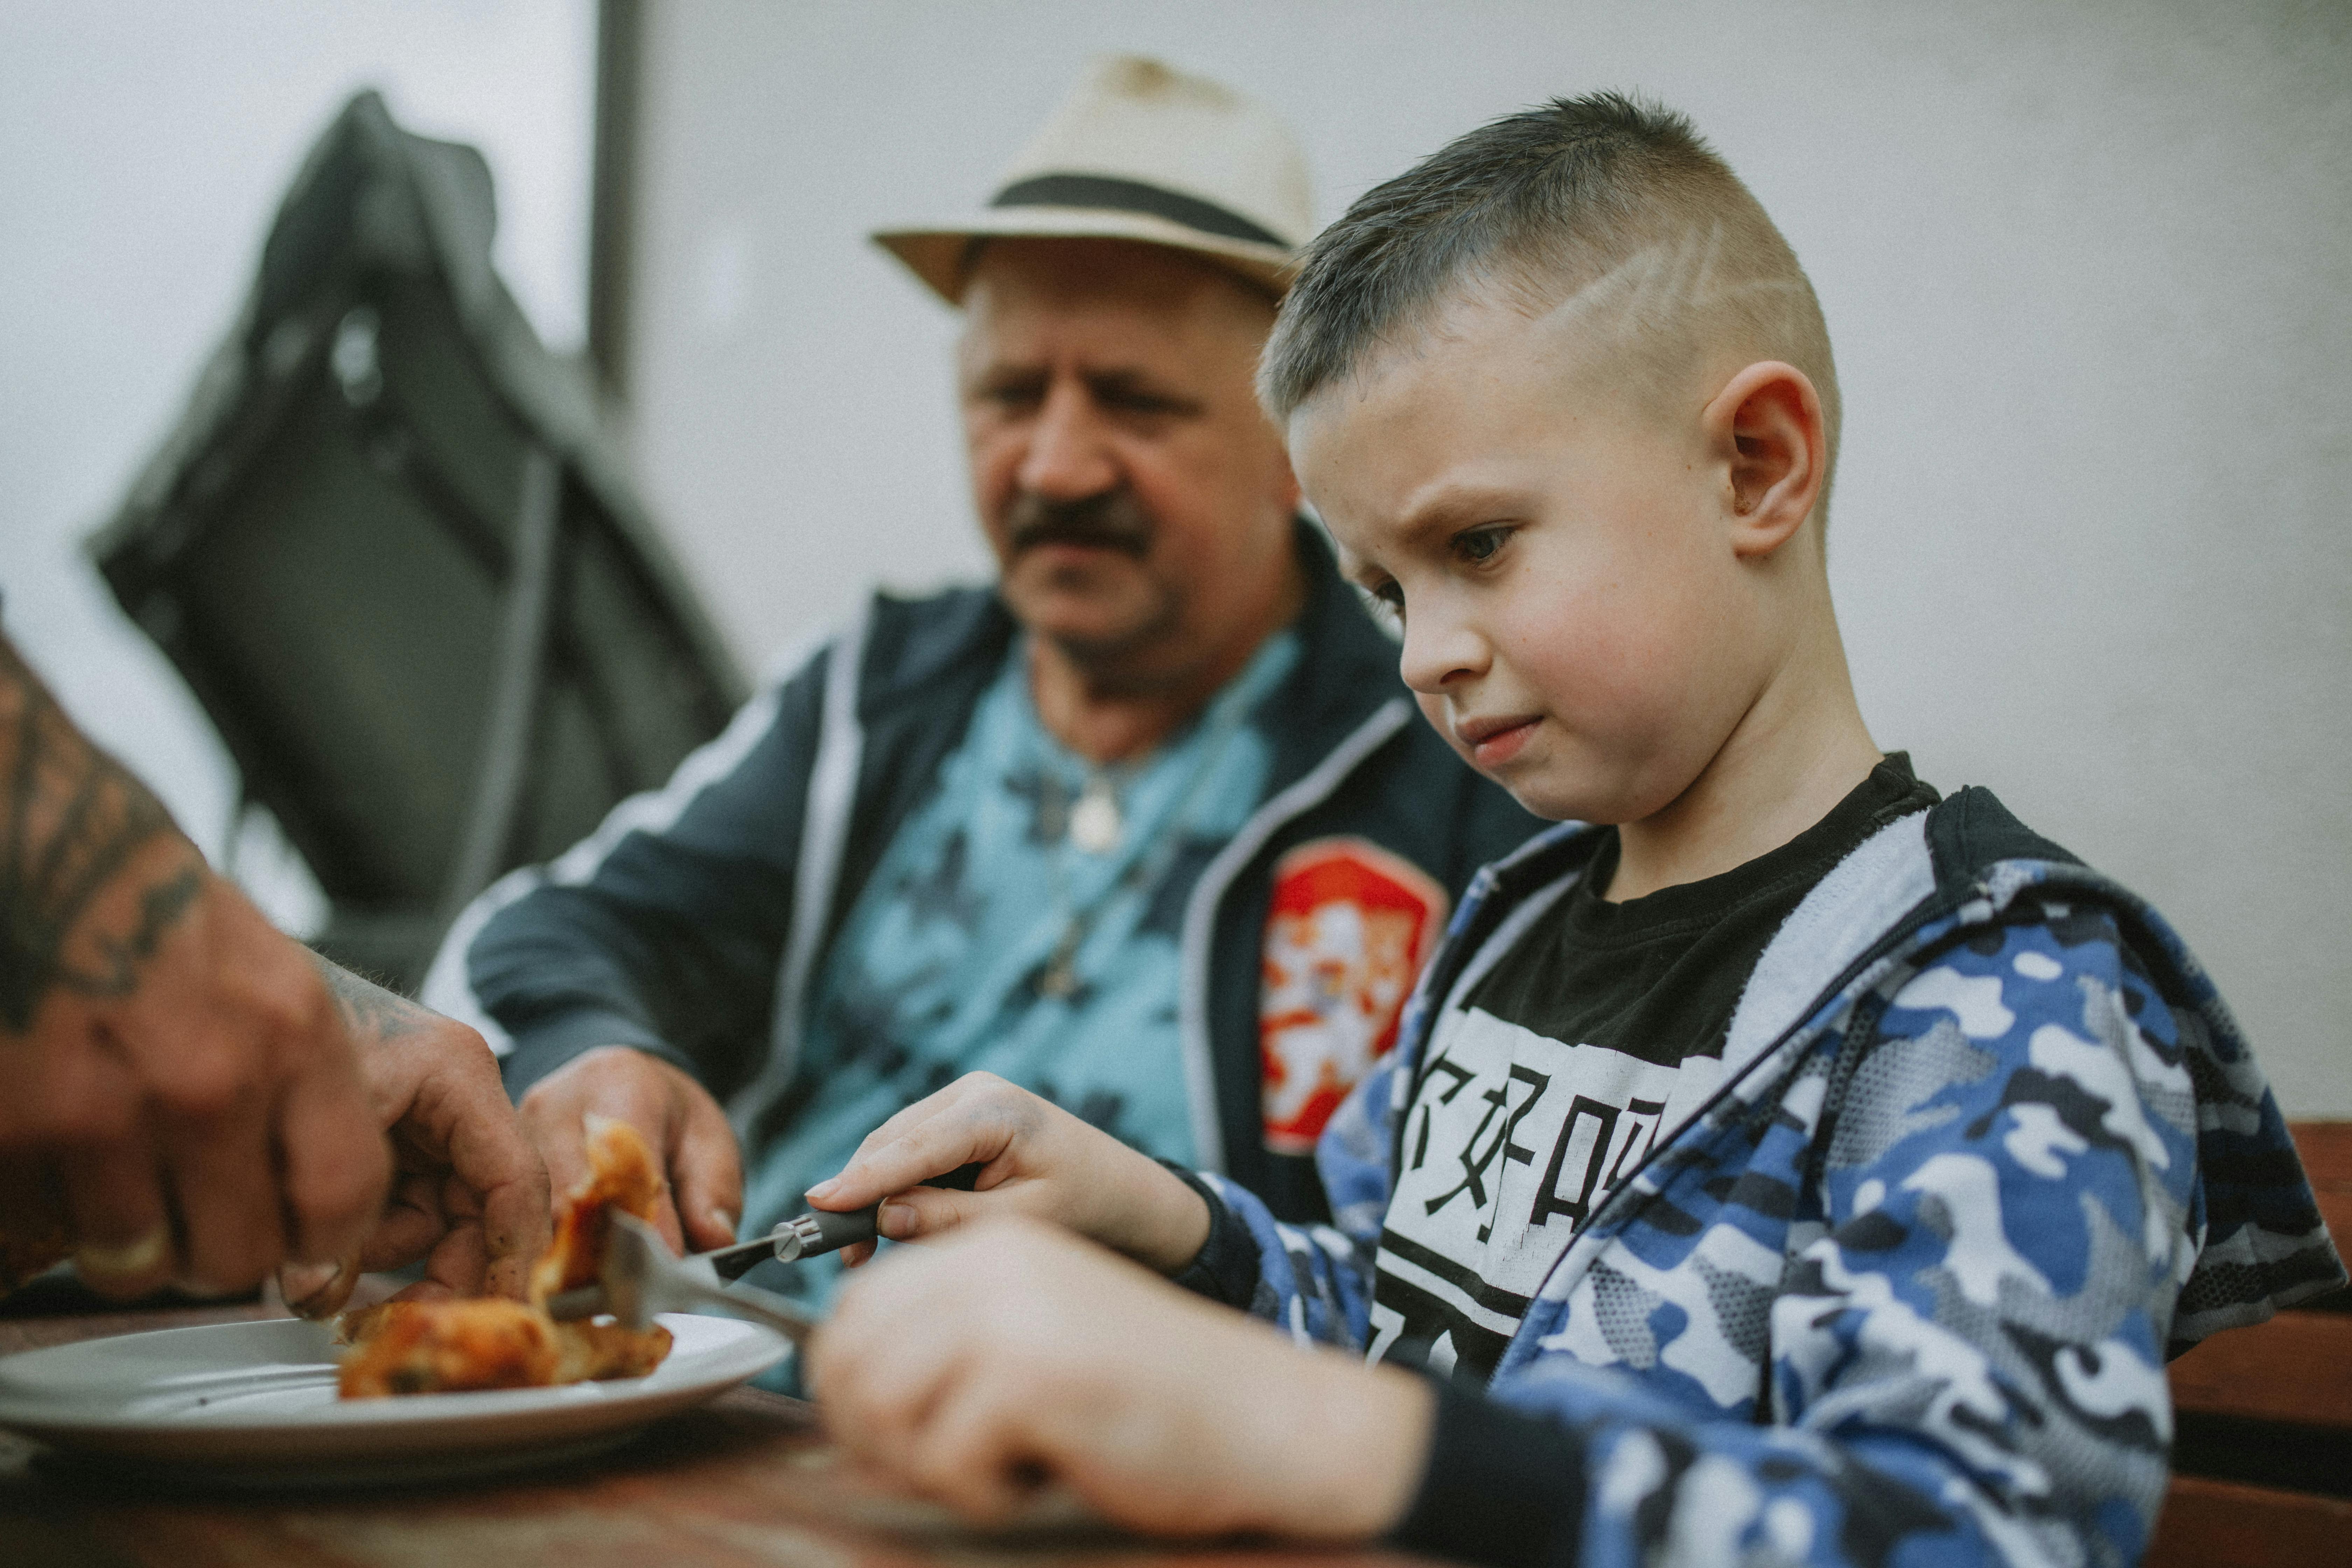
point(1097, 832)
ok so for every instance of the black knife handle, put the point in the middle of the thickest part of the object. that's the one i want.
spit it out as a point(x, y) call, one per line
point(820, 1231)
point(836, 1231)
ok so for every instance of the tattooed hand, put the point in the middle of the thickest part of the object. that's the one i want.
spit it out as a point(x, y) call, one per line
point(469, 1194)
point(179, 1064)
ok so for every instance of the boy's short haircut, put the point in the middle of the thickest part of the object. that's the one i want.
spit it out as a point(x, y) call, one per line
point(1613, 203)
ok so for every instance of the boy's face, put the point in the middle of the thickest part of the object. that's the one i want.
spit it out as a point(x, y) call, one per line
point(1575, 620)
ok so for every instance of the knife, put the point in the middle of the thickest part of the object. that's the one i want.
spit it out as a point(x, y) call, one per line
point(811, 1234)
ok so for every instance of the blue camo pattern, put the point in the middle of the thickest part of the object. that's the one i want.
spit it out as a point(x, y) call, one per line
point(1905, 1290)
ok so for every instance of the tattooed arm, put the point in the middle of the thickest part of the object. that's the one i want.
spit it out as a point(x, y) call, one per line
point(177, 1066)
point(468, 1194)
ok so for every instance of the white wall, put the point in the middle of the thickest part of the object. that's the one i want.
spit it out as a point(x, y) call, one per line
point(2086, 270)
point(143, 149)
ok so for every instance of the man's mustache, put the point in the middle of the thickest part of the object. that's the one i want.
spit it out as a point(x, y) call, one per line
point(1112, 520)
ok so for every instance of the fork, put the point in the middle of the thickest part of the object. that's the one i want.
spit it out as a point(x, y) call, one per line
point(638, 1277)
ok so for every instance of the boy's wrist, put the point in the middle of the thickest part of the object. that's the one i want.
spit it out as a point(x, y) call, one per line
point(1226, 1267)
point(1366, 1450)
point(1174, 1220)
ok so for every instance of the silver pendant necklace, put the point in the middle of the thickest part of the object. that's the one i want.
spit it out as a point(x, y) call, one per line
point(1094, 824)
point(1095, 827)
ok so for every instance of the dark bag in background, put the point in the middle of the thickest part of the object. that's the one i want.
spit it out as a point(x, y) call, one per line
point(388, 550)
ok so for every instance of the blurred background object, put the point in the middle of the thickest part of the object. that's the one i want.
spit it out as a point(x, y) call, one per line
point(144, 148)
point(2085, 269)
point(386, 551)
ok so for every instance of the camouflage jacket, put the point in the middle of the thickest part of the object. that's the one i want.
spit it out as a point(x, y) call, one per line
point(1989, 1149)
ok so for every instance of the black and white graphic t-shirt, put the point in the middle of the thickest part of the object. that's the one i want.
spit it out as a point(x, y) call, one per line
point(1551, 1074)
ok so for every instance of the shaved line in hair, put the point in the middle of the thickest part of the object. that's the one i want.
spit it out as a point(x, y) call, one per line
point(1682, 306)
point(1603, 211)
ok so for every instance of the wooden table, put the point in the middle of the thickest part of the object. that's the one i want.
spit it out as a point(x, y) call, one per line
point(743, 1482)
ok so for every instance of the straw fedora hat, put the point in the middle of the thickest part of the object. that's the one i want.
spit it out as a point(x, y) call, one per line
point(1141, 151)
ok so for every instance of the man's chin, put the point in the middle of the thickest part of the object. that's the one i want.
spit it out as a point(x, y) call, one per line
point(1070, 583)
point(1096, 644)
point(1118, 648)
point(1093, 610)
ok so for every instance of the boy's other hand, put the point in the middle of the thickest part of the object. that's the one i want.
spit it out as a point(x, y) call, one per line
point(1012, 1356)
point(1035, 1159)
point(694, 1148)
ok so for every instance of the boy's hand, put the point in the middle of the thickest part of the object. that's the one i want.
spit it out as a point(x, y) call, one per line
point(1036, 1160)
point(1012, 1355)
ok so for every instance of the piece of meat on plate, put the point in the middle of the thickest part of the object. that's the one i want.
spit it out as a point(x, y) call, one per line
point(448, 1347)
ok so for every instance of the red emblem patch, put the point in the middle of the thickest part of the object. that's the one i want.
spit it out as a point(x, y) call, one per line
point(1348, 931)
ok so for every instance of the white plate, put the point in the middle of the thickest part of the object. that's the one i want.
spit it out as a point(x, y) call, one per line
point(255, 1405)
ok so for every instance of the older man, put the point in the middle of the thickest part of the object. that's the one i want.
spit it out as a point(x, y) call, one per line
point(1147, 828)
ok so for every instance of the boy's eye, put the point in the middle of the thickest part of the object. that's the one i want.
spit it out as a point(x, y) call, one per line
point(1479, 545)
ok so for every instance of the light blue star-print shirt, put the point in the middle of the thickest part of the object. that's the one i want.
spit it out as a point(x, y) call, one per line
point(948, 962)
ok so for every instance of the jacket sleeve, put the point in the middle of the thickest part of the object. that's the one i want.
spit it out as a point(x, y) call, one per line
point(664, 929)
point(1963, 1347)
point(1314, 1280)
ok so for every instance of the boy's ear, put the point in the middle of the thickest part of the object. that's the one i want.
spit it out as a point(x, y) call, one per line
point(1766, 428)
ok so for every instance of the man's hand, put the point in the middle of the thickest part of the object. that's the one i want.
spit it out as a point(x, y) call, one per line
point(469, 1194)
point(1014, 1355)
point(190, 1079)
point(1036, 1160)
point(680, 1123)
point(173, 1060)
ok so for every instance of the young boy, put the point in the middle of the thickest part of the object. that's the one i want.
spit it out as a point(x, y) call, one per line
point(1798, 1168)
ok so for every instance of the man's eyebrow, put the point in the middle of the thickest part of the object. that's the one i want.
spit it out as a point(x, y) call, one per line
point(1004, 377)
point(1130, 382)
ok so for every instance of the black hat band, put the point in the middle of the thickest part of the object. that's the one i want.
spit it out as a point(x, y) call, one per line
point(1104, 191)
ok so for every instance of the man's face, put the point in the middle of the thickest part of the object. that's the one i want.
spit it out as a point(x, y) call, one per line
point(1575, 620)
point(1138, 499)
